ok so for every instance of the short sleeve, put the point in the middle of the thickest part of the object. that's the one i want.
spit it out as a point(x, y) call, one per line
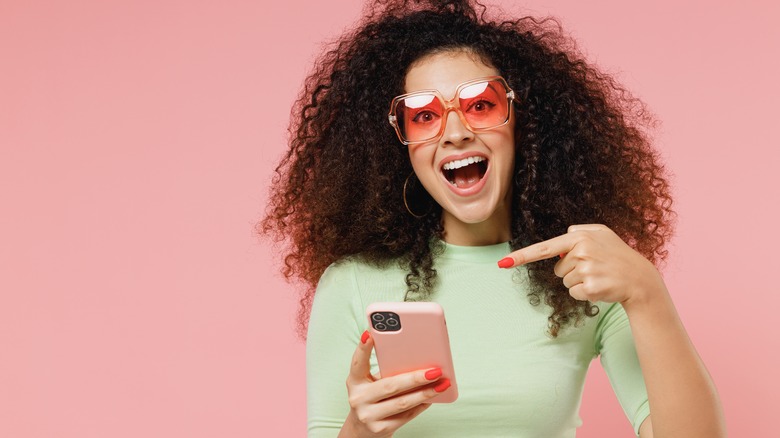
point(615, 344)
point(334, 331)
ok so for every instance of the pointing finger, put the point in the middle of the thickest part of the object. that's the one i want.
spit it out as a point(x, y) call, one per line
point(539, 251)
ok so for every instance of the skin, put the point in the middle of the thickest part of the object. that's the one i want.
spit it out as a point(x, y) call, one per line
point(595, 265)
point(482, 218)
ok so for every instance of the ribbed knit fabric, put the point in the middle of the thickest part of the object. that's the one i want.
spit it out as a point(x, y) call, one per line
point(514, 379)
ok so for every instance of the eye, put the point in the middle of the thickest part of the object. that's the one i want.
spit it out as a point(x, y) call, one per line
point(424, 117)
point(481, 106)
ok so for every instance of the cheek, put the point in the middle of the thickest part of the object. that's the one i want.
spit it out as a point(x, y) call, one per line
point(421, 159)
point(503, 147)
point(505, 161)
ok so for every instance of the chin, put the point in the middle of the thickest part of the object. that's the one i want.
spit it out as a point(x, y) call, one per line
point(472, 218)
point(473, 214)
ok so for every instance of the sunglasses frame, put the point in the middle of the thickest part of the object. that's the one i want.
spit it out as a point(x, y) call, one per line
point(450, 105)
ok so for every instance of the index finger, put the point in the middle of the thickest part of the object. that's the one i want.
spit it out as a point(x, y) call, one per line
point(360, 368)
point(539, 251)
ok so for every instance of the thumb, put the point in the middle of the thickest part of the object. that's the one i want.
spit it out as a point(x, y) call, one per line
point(360, 369)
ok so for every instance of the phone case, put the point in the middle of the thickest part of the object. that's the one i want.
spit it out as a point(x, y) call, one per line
point(421, 342)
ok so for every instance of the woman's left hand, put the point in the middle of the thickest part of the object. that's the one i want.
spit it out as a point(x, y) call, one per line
point(595, 264)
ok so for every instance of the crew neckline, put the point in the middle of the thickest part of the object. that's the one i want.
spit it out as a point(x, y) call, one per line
point(483, 254)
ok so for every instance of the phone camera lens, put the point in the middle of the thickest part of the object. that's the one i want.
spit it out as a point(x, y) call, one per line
point(392, 322)
point(379, 326)
point(378, 317)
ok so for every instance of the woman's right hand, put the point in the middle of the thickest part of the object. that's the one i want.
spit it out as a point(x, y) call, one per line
point(376, 409)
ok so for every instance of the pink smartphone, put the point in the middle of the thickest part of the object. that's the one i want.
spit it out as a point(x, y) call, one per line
point(410, 336)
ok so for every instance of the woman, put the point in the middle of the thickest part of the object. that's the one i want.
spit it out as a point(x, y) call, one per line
point(502, 147)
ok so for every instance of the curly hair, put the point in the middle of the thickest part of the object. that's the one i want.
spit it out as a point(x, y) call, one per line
point(583, 152)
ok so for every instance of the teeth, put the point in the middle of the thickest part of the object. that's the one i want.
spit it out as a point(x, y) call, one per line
point(457, 164)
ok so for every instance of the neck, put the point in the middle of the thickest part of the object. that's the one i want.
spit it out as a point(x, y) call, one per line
point(495, 229)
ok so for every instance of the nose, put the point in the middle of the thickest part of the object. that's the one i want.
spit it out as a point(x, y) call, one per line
point(455, 132)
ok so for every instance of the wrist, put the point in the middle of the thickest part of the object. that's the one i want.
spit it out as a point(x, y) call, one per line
point(351, 429)
point(647, 294)
point(348, 429)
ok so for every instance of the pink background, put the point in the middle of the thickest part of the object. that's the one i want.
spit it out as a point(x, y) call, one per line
point(137, 140)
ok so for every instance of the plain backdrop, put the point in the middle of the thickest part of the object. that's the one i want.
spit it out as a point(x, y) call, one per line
point(137, 142)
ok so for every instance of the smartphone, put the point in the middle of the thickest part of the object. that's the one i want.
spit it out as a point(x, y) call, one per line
point(410, 336)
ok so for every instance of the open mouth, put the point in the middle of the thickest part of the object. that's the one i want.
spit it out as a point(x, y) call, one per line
point(465, 173)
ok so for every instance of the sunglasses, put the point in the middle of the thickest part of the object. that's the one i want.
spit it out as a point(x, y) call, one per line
point(481, 104)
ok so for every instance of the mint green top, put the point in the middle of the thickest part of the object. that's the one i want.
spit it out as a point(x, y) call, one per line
point(514, 379)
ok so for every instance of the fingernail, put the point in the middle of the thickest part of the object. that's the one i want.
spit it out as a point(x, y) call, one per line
point(445, 383)
point(506, 262)
point(562, 255)
point(433, 374)
point(364, 337)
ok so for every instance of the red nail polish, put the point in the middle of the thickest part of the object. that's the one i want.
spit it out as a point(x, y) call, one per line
point(364, 338)
point(445, 383)
point(506, 262)
point(433, 374)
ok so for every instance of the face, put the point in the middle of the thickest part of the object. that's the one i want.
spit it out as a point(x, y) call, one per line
point(475, 198)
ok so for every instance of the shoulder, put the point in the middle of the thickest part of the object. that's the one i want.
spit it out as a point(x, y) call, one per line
point(355, 268)
point(355, 278)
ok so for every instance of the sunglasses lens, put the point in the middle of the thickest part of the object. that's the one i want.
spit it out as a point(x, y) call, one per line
point(419, 116)
point(484, 104)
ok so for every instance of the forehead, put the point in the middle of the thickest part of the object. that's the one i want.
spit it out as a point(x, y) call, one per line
point(445, 71)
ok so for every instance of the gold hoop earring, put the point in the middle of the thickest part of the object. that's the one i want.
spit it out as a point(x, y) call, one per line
point(406, 204)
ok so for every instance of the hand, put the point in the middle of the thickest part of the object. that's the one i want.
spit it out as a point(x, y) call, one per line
point(376, 408)
point(595, 264)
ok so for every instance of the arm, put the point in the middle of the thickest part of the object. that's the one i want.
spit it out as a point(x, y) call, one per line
point(646, 430)
point(683, 398)
point(614, 344)
point(596, 265)
point(334, 332)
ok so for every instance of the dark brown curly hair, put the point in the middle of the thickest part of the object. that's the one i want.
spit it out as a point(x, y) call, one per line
point(583, 152)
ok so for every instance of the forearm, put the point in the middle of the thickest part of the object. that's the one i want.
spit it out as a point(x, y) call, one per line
point(683, 399)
